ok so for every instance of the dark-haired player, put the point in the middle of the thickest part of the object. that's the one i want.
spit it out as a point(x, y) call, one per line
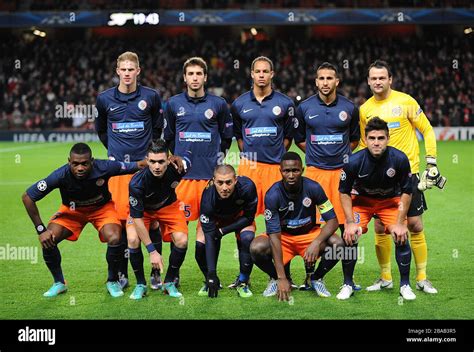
point(263, 127)
point(153, 198)
point(228, 204)
point(404, 116)
point(377, 181)
point(198, 125)
point(328, 131)
point(290, 218)
point(129, 116)
point(85, 198)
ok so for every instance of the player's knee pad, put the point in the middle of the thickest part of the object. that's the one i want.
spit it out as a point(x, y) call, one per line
point(246, 239)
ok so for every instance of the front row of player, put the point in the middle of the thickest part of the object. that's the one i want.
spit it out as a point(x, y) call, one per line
point(375, 181)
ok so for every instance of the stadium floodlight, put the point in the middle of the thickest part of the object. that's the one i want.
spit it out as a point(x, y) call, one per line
point(39, 33)
point(468, 30)
point(254, 31)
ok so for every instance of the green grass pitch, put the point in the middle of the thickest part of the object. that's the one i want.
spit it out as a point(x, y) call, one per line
point(448, 226)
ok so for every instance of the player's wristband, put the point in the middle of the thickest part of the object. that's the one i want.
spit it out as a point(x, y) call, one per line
point(40, 228)
point(150, 247)
point(430, 160)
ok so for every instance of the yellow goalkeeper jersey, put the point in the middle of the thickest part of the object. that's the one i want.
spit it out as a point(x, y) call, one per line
point(403, 115)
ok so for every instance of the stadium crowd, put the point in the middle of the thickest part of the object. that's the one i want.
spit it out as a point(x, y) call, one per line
point(42, 80)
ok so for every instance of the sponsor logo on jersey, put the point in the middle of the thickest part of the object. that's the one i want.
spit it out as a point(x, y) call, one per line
point(261, 131)
point(326, 139)
point(123, 127)
point(393, 124)
point(194, 136)
point(295, 223)
point(142, 105)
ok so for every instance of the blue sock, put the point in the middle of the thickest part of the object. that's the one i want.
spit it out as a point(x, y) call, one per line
point(403, 257)
point(245, 259)
point(52, 258)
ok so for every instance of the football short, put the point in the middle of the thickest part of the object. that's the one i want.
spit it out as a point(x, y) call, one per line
point(118, 187)
point(75, 220)
point(263, 175)
point(329, 181)
point(171, 219)
point(292, 245)
point(418, 202)
point(189, 192)
point(364, 209)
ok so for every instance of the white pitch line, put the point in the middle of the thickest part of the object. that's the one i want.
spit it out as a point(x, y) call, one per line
point(25, 147)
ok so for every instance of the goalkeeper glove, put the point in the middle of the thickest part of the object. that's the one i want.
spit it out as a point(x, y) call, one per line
point(213, 284)
point(431, 176)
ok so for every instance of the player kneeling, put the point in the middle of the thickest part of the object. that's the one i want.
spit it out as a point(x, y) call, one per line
point(228, 204)
point(153, 197)
point(83, 184)
point(379, 180)
point(290, 218)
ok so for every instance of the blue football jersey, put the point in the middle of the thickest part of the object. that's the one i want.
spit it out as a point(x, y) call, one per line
point(295, 214)
point(92, 191)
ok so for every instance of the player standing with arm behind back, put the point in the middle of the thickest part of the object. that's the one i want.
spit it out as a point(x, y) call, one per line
point(198, 126)
point(403, 116)
point(263, 128)
point(328, 131)
point(129, 116)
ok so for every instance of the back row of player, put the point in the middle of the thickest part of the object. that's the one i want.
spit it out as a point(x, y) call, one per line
point(325, 126)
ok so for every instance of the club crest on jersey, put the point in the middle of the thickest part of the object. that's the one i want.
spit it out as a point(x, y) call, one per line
point(99, 182)
point(142, 105)
point(391, 172)
point(296, 123)
point(276, 110)
point(307, 202)
point(209, 114)
point(42, 185)
point(174, 184)
point(343, 175)
point(204, 219)
point(133, 201)
point(267, 214)
point(397, 111)
point(343, 115)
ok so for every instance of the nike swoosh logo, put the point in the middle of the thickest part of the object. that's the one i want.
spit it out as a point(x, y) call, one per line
point(362, 176)
point(180, 114)
point(149, 195)
point(282, 209)
point(115, 108)
point(404, 264)
point(246, 111)
point(312, 116)
point(419, 208)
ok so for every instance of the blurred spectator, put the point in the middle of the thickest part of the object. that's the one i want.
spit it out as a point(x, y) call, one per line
point(58, 73)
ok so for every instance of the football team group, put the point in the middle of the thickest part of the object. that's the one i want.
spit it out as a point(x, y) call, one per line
point(165, 168)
